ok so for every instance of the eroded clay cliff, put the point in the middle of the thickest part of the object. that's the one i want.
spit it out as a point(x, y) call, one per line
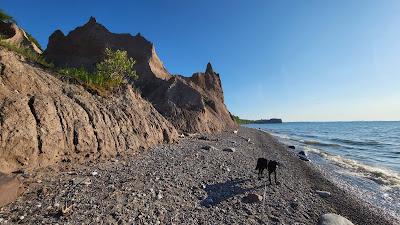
point(12, 34)
point(44, 120)
point(191, 104)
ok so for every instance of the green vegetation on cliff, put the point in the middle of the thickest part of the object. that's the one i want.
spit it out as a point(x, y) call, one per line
point(28, 53)
point(109, 73)
point(4, 17)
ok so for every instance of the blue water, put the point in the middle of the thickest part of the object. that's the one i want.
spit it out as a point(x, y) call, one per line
point(363, 157)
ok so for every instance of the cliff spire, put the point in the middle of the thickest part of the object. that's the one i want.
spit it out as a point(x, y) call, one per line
point(92, 20)
point(209, 68)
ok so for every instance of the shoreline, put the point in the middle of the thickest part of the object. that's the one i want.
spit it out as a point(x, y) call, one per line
point(174, 184)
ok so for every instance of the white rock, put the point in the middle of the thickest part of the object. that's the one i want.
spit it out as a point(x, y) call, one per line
point(324, 194)
point(159, 196)
point(235, 131)
point(333, 219)
point(94, 173)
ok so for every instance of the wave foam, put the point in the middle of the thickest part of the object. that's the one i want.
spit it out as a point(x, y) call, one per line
point(379, 175)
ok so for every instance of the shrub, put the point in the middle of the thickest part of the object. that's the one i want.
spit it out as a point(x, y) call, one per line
point(116, 65)
point(109, 74)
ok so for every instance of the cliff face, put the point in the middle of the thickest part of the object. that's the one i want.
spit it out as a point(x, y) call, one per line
point(194, 104)
point(85, 46)
point(16, 36)
point(44, 121)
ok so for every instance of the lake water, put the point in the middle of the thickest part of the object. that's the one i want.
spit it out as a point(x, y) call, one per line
point(363, 157)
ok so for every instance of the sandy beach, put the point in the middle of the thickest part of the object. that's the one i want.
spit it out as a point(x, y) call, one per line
point(184, 183)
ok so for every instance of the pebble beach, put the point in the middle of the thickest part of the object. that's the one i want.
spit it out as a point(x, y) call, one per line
point(202, 179)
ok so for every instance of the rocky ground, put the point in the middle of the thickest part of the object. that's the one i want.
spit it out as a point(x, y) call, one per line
point(186, 184)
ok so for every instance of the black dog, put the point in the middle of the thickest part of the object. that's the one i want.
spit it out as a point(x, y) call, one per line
point(265, 164)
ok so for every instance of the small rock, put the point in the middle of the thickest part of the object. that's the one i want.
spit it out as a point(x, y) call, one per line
point(252, 198)
point(203, 186)
point(248, 140)
point(204, 138)
point(22, 217)
point(324, 194)
point(294, 205)
point(159, 196)
point(182, 136)
point(333, 219)
point(94, 173)
point(227, 169)
point(78, 180)
point(230, 149)
point(235, 131)
point(274, 219)
point(209, 147)
point(291, 147)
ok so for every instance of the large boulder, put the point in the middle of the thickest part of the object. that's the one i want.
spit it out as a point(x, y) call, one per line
point(10, 188)
point(12, 34)
point(44, 120)
point(333, 219)
point(191, 104)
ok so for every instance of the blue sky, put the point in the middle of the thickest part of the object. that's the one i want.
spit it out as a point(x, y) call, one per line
point(295, 60)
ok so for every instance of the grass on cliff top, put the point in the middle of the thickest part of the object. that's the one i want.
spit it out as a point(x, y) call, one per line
point(28, 53)
point(5, 17)
point(108, 75)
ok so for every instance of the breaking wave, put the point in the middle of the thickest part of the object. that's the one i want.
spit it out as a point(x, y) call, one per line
point(379, 175)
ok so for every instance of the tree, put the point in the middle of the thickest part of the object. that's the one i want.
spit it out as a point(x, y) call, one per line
point(116, 66)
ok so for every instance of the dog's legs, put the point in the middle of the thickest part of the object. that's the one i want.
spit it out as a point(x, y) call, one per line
point(275, 177)
point(269, 177)
point(260, 172)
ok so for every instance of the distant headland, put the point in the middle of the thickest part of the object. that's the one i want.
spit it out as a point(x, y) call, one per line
point(261, 121)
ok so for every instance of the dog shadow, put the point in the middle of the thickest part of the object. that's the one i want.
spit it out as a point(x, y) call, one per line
point(220, 192)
